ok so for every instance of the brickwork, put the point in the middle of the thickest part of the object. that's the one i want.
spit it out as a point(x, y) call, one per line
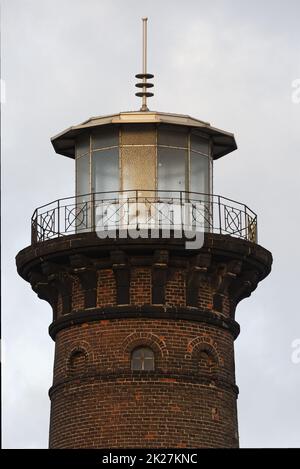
point(77, 294)
point(109, 300)
point(175, 289)
point(140, 286)
point(140, 289)
point(185, 402)
point(106, 288)
point(190, 398)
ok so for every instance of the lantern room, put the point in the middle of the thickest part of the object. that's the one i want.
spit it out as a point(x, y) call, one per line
point(143, 169)
point(145, 151)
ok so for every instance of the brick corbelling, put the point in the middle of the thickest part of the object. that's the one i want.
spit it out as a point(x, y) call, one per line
point(221, 246)
point(77, 294)
point(205, 294)
point(155, 276)
point(140, 285)
point(176, 288)
point(59, 306)
point(106, 288)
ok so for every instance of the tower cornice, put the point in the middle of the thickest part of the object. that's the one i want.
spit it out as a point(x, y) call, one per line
point(225, 248)
point(228, 267)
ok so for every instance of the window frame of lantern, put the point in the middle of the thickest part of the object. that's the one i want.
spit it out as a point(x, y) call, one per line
point(190, 132)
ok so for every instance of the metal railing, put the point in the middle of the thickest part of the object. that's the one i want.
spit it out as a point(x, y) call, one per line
point(143, 209)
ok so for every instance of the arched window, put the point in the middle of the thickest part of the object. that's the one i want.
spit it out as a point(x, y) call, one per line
point(78, 361)
point(142, 358)
point(206, 359)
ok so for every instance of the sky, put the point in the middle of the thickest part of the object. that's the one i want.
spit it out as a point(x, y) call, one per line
point(233, 63)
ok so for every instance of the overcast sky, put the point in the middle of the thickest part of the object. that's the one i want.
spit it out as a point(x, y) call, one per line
point(231, 63)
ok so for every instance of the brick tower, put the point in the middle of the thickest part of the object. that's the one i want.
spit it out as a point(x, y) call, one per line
point(143, 269)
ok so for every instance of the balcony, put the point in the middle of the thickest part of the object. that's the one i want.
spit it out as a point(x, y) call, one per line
point(122, 213)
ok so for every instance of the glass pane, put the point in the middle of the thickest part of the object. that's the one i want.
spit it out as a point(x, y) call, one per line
point(199, 173)
point(142, 359)
point(105, 137)
point(199, 144)
point(82, 144)
point(148, 353)
point(171, 169)
point(138, 168)
point(105, 165)
point(78, 216)
point(172, 135)
point(82, 175)
point(136, 364)
point(136, 354)
point(149, 363)
point(138, 134)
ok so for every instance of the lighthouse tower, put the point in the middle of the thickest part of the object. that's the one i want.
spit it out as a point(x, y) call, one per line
point(144, 268)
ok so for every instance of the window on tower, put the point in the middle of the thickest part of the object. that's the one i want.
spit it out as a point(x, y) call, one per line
point(77, 361)
point(142, 359)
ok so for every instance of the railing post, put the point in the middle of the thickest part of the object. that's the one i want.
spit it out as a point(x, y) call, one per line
point(93, 225)
point(34, 228)
point(220, 221)
point(58, 217)
point(255, 231)
point(181, 215)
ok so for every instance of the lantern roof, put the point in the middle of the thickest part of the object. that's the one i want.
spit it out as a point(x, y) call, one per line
point(222, 142)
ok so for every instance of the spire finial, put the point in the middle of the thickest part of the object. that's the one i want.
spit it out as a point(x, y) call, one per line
point(144, 94)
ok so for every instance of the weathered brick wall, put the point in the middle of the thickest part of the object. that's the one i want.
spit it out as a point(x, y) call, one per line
point(106, 288)
point(186, 402)
point(140, 285)
point(77, 294)
point(140, 289)
point(175, 289)
point(109, 297)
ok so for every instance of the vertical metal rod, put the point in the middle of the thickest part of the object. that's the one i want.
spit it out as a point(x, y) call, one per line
point(34, 234)
point(90, 208)
point(145, 45)
point(93, 212)
point(219, 205)
point(181, 215)
point(256, 232)
point(58, 215)
point(144, 103)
